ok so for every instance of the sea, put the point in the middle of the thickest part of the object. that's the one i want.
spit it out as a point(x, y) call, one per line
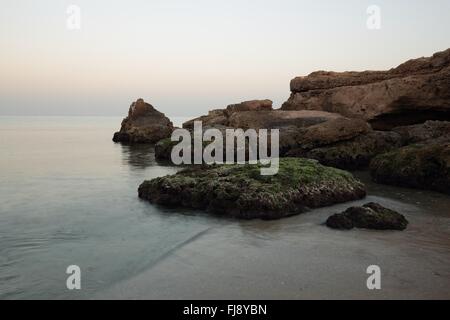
point(68, 197)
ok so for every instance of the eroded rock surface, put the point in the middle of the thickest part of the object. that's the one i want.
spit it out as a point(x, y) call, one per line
point(416, 91)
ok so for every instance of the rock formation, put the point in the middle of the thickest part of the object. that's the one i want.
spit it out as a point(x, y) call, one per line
point(328, 137)
point(424, 131)
point(240, 191)
point(369, 216)
point(425, 165)
point(416, 91)
point(352, 154)
point(144, 124)
point(257, 114)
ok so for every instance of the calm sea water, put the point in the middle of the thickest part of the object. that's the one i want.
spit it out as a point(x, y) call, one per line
point(68, 196)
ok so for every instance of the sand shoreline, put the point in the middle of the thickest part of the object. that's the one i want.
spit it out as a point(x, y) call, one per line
point(300, 258)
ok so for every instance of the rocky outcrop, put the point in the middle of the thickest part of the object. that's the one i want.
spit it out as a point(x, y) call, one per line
point(328, 137)
point(424, 131)
point(278, 119)
point(352, 154)
point(412, 93)
point(144, 124)
point(258, 114)
point(163, 149)
point(253, 105)
point(369, 216)
point(221, 116)
point(329, 132)
point(425, 165)
point(342, 143)
point(214, 118)
point(241, 191)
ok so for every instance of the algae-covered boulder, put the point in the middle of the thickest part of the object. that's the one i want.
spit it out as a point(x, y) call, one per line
point(163, 149)
point(423, 166)
point(369, 216)
point(355, 153)
point(241, 191)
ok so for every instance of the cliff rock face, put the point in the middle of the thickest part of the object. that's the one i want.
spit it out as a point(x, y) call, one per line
point(416, 91)
point(144, 124)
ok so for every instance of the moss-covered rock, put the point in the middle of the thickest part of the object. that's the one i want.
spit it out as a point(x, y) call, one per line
point(369, 216)
point(163, 148)
point(423, 166)
point(241, 191)
point(355, 153)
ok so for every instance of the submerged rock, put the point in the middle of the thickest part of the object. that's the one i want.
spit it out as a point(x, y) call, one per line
point(144, 124)
point(424, 166)
point(369, 216)
point(416, 91)
point(241, 191)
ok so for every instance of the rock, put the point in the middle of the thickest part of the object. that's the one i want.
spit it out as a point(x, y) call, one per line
point(278, 119)
point(352, 154)
point(221, 116)
point(163, 149)
point(144, 124)
point(414, 92)
point(214, 118)
point(328, 137)
point(253, 105)
point(341, 142)
point(241, 191)
point(425, 131)
point(424, 165)
point(369, 216)
point(332, 131)
point(289, 123)
point(258, 114)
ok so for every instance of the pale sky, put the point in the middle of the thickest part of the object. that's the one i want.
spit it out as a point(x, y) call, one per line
point(187, 57)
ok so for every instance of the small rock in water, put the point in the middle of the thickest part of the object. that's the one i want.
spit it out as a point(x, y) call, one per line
point(369, 216)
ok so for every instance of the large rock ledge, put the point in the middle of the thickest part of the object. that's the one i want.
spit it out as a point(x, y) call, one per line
point(144, 124)
point(416, 91)
point(240, 191)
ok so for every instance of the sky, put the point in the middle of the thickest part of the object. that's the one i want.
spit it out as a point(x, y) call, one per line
point(188, 57)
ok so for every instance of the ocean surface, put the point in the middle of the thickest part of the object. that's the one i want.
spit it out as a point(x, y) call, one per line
point(68, 196)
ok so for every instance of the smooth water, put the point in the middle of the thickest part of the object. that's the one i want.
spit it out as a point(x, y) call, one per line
point(68, 196)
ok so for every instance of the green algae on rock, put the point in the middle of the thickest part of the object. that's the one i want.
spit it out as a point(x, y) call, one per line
point(369, 216)
point(240, 191)
point(423, 166)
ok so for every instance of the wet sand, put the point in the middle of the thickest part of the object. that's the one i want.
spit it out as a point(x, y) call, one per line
point(300, 258)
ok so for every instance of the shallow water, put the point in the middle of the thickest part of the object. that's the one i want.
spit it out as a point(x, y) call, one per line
point(68, 195)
